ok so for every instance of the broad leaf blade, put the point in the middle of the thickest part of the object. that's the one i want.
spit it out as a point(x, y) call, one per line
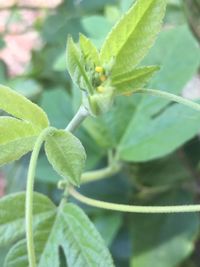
point(162, 135)
point(79, 240)
point(16, 138)
point(66, 154)
point(84, 239)
point(12, 222)
point(72, 231)
point(76, 66)
point(88, 49)
point(17, 255)
point(133, 35)
point(127, 82)
point(22, 108)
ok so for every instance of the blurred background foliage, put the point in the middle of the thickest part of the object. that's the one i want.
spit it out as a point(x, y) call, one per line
point(158, 142)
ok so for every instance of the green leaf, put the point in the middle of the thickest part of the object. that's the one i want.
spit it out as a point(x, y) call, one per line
point(45, 173)
point(60, 62)
point(88, 49)
point(127, 82)
point(98, 129)
point(148, 138)
point(76, 66)
point(16, 138)
point(167, 237)
point(108, 225)
point(17, 255)
point(133, 35)
point(59, 118)
point(3, 253)
point(22, 108)
point(51, 100)
point(130, 114)
point(71, 230)
point(97, 28)
point(12, 222)
point(177, 50)
point(66, 154)
point(163, 172)
point(29, 88)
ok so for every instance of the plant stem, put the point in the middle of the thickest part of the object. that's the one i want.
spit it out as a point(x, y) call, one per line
point(79, 117)
point(169, 96)
point(29, 196)
point(134, 209)
point(100, 174)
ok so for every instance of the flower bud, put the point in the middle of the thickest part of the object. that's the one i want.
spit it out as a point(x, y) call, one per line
point(101, 102)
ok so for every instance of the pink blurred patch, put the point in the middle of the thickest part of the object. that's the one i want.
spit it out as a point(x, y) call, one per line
point(31, 3)
point(2, 185)
point(19, 36)
point(17, 52)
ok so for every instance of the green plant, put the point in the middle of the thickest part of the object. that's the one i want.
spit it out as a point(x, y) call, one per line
point(101, 77)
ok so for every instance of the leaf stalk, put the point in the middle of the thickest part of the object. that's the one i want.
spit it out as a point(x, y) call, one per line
point(29, 195)
point(169, 96)
point(133, 208)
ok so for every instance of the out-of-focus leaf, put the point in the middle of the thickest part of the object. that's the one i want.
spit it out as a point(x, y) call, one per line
point(60, 63)
point(59, 25)
point(97, 27)
point(192, 10)
point(166, 171)
point(178, 54)
point(163, 239)
point(58, 106)
point(3, 253)
point(16, 175)
point(174, 13)
point(2, 72)
point(2, 42)
point(95, 5)
point(28, 88)
point(108, 225)
point(45, 173)
point(150, 138)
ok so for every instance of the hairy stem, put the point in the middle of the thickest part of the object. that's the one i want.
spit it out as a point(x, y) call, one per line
point(100, 174)
point(170, 96)
point(132, 208)
point(79, 117)
point(29, 196)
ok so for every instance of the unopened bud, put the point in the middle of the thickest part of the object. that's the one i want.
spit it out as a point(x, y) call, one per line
point(99, 69)
point(100, 89)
